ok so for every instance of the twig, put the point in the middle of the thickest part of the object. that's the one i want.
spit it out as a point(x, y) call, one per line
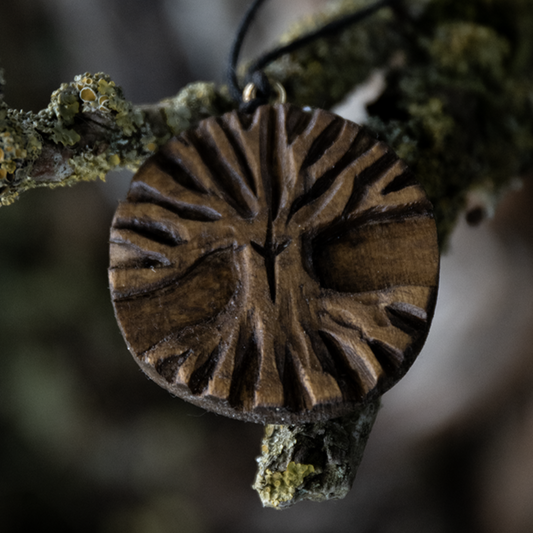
point(88, 129)
point(314, 462)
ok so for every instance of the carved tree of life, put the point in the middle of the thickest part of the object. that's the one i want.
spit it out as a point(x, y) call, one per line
point(279, 267)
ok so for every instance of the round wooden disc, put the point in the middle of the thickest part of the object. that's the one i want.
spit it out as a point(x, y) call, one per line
point(280, 267)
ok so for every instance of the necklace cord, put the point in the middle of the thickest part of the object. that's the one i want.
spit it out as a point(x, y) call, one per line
point(244, 26)
point(255, 72)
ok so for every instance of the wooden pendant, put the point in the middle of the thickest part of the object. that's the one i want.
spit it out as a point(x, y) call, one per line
point(280, 267)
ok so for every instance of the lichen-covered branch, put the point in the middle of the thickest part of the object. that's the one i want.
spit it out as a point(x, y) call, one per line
point(458, 104)
point(314, 462)
point(88, 129)
point(458, 107)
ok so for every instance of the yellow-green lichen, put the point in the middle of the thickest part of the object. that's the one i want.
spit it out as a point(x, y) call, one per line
point(316, 461)
point(281, 486)
point(437, 124)
point(195, 102)
point(19, 147)
point(462, 48)
point(57, 118)
point(88, 93)
point(89, 167)
point(97, 92)
point(149, 142)
point(324, 72)
point(88, 129)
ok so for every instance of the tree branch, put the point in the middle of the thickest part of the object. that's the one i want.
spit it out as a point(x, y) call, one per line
point(88, 129)
point(314, 462)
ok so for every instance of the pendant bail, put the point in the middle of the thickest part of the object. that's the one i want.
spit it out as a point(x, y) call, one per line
point(250, 92)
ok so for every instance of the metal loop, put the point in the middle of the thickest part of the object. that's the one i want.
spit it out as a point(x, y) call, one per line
point(250, 92)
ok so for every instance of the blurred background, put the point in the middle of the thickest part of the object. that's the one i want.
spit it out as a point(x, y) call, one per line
point(88, 444)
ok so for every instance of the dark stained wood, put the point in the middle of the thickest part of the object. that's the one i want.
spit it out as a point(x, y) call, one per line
point(277, 268)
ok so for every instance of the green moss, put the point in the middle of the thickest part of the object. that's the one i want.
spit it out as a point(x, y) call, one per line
point(20, 146)
point(120, 135)
point(324, 72)
point(89, 167)
point(88, 93)
point(466, 49)
point(458, 109)
point(56, 120)
point(281, 486)
point(194, 103)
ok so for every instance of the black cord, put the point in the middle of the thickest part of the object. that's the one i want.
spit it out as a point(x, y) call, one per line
point(246, 22)
point(255, 73)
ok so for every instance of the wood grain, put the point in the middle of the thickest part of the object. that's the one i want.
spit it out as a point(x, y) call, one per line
point(280, 267)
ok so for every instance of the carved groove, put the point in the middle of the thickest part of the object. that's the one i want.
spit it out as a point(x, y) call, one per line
point(349, 381)
point(299, 295)
point(149, 262)
point(377, 215)
point(272, 179)
point(366, 178)
point(405, 179)
point(244, 166)
point(293, 392)
point(202, 265)
point(246, 121)
point(296, 123)
point(199, 380)
point(245, 372)
point(385, 355)
point(359, 145)
point(323, 142)
point(228, 180)
point(168, 368)
point(178, 173)
point(404, 320)
point(143, 194)
point(149, 229)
